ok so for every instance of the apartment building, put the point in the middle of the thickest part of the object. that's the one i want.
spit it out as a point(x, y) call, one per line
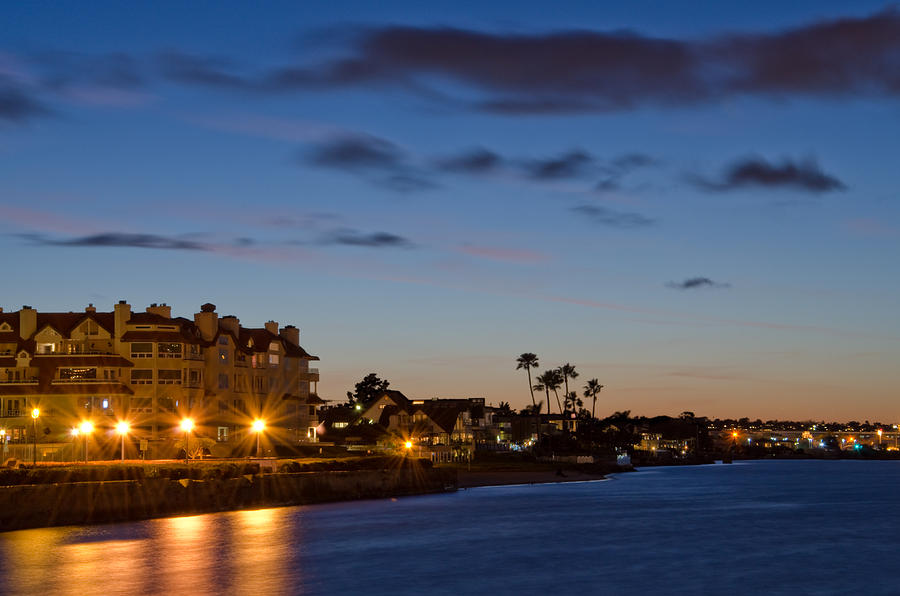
point(153, 370)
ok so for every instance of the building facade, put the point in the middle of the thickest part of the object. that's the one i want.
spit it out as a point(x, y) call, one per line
point(153, 370)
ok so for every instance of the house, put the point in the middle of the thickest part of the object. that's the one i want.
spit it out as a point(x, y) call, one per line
point(151, 370)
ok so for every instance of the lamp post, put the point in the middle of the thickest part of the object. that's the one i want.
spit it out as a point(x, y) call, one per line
point(34, 416)
point(86, 429)
point(258, 427)
point(186, 425)
point(122, 428)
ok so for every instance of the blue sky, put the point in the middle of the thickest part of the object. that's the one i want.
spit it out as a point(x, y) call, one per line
point(693, 202)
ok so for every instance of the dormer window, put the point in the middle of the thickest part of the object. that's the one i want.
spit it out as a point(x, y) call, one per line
point(46, 348)
point(4, 326)
point(90, 328)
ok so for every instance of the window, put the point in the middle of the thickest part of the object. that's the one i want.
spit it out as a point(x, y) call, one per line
point(141, 376)
point(223, 355)
point(223, 407)
point(273, 359)
point(223, 381)
point(258, 384)
point(105, 404)
point(193, 376)
point(222, 435)
point(194, 351)
point(341, 424)
point(223, 340)
point(142, 350)
point(169, 377)
point(167, 350)
point(46, 348)
point(77, 374)
point(90, 328)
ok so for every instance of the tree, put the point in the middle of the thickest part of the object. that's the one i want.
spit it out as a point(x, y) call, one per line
point(528, 361)
point(503, 409)
point(592, 390)
point(568, 372)
point(573, 401)
point(549, 381)
point(367, 390)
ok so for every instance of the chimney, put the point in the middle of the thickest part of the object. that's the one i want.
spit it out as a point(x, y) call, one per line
point(162, 310)
point(122, 316)
point(291, 334)
point(27, 322)
point(207, 321)
point(272, 327)
point(90, 308)
point(231, 323)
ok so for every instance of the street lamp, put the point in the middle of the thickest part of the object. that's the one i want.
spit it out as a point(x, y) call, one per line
point(122, 428)
point(34, 416)
point(86, 429)
point(258, 427)
point(187, 425)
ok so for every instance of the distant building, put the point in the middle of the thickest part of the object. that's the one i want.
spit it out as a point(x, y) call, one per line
point(151, 370)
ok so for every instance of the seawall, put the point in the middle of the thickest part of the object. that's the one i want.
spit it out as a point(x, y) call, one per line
point(76, 503)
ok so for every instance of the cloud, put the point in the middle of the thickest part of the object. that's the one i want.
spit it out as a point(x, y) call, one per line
point(117, 239)
point(355, 153)
point(576, 71)
point(61, 70)
point(206, 71)
point(475, 161)
point(348, 237)
point(18, 106)
point(757, 172)
point(693, 283)
point(568, 165)
point(381, 162)
point(612, 218)
point(503, 254)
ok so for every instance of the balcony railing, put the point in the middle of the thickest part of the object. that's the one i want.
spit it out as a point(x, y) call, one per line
point(12, 413)
point(31, 381)
point(189, 356)
point(76, 381)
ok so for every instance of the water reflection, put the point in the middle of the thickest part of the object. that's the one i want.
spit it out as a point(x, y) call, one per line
point(686, 530)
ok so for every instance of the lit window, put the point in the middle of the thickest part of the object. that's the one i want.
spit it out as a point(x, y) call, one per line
point(274, 359)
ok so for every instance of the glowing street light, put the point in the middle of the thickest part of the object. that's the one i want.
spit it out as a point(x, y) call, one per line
point(86, 429)
point(34, 416)
point(122, 428)
point(258, 427)
point(187, 425)
point(408, 444)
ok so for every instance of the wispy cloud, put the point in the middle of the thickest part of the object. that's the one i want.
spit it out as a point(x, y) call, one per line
point(693, 283)
point(119, 239)
point(757, 172)
point(348, 237)
point(584, 70)
point(503, 254)
point(612, 217)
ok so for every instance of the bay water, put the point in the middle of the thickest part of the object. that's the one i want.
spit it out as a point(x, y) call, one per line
point(762, 527)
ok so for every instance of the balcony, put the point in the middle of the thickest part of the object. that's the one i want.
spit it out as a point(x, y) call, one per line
point(189, 356)
point(12, 413)
point(81, 381)
point(31, 381)
point(312, 376)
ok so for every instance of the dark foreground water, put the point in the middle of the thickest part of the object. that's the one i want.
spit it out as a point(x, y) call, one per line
point(788, 527)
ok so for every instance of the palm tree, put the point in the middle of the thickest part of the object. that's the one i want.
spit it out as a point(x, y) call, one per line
point(573, 400)
point(528, 361)
point(592, 390)
point(568, 372)
point(550, 381)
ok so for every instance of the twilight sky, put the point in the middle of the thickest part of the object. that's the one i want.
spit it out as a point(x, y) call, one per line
point(694, 202)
